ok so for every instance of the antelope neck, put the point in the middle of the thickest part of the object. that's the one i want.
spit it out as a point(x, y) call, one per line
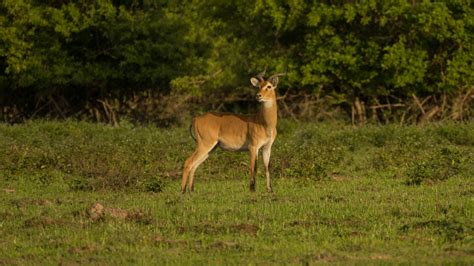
point(268, 113)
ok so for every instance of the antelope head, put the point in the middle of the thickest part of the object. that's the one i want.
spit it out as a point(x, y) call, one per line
point(266, 88)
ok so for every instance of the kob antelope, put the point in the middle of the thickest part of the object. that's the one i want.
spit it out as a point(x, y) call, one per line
point(237, 133)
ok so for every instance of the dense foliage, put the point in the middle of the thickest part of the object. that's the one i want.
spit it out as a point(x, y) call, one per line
point(61, 57)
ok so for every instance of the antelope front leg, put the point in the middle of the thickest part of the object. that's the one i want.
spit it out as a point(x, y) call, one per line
point(267, 150)
point(253, 167)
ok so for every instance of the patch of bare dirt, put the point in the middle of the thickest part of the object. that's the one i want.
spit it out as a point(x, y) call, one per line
point(25, 202)
point(84, 249)
point(250, 229)
point(243, 228)
point(118, 213)
point(170, 242)
point(380, 257)
point(332, 198)
point(8, 262)
point(97, 212)
point(326, 222)
point(339, 177)
point(42, 202)
point(322, 257)
point(43, 221)
point(225, 245)
point(356, 234)
point(300, 223)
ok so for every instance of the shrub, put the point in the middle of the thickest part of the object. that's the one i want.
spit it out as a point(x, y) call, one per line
point(458, 134)
point(154, 184)
point(442, 165)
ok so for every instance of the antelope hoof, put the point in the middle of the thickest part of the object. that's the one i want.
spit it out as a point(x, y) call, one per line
point(252, 187)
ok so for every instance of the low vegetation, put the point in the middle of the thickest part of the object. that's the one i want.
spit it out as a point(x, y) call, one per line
point(76, 192)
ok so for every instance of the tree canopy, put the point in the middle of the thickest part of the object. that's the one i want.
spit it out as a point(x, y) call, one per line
point(71, 53)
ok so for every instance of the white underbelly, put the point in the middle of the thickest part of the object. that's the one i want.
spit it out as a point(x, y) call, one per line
point(241, 146)
point(233, 146)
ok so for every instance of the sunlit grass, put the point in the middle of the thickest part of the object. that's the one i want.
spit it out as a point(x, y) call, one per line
point(342, 194)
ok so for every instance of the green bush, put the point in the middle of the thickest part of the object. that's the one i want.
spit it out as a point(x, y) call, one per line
point(61, 57)
point(154, 184)
point(79, 184)
point(444, 164)
point(458, 134)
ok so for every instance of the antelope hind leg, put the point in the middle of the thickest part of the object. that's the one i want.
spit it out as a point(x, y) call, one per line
point(186, 170)
point(193, 170)
point(192, 163)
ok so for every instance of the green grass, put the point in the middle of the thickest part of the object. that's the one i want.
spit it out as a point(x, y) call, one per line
point(350, 195)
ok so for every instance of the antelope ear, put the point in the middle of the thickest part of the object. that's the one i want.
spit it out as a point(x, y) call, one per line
point(254, 82)
point(273, 81)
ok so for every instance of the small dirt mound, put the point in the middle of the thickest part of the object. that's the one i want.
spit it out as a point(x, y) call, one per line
point(42, 222)
point(250, 229)
point(225, 245)
point(97, 211)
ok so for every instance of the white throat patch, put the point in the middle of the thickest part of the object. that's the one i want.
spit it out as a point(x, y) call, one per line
point(268, 104)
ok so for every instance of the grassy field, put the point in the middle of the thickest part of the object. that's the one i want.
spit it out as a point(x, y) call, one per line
point(87, 193)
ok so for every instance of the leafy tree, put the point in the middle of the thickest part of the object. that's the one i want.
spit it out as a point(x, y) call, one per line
point(93, 47)
point(370, 50)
